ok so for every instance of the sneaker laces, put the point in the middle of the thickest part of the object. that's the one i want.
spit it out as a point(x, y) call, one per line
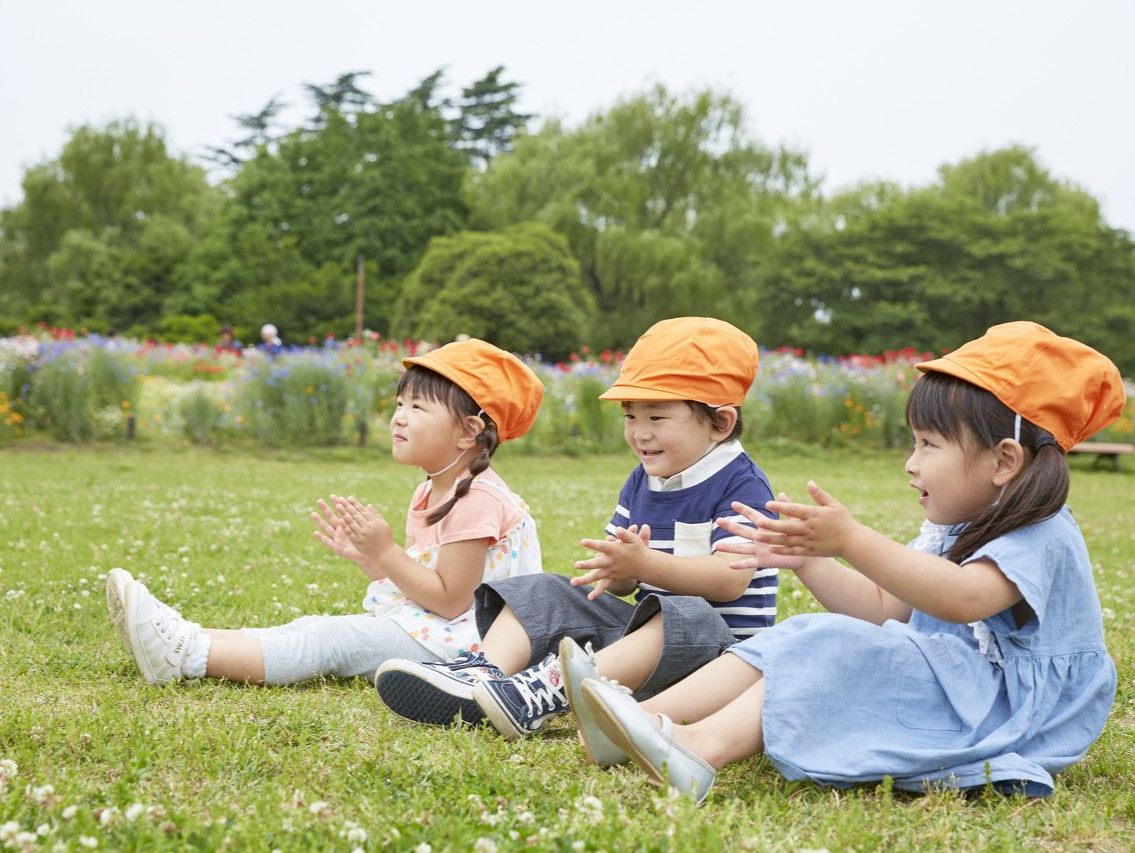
point(168, 621)
point(590, 652)
point(535, 688)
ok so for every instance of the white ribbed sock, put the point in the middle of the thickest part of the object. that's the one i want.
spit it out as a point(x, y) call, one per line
point(196, 656)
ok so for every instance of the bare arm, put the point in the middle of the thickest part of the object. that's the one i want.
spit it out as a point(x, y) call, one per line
point(932, 584)
point(836, 587)
point(446, 591)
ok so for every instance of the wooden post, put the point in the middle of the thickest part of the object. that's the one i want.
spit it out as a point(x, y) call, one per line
point(363, 431)
point(130, 427)
point(360, 283)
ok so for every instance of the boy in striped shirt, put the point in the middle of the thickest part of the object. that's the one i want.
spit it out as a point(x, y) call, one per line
point(681, 388)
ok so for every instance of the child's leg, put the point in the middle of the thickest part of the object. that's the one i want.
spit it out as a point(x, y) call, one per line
point(235, 658)
point(705, 691)
point(631, 659)
point(507, 644)
point(731, 733)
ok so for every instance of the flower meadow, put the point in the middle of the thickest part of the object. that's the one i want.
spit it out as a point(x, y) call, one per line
point(78, 388)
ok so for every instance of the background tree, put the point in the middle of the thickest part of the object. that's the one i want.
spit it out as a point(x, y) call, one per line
point(519, 289)
point(997, 238)
point(101, 230)
point(487, 121)
point(666, 202)
point(379, 183)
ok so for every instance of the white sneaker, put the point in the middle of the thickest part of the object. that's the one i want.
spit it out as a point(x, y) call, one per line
point(159, 636)
point(116, 583)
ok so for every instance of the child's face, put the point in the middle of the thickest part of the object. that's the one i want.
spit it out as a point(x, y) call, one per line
point(956, 483)
point(667, 437)
point(424, 433)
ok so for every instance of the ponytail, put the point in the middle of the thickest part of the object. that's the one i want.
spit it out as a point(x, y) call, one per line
point(976, 419)
point(488, 440)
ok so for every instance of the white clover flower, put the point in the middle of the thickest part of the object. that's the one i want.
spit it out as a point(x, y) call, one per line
point(578, 845)
point(88, 841)
point(106, 815)
point(43, 829)
point(319, 807)
point(8, 832)
point(357, 835)
point(423, 848)
point(591, 808)
point(25, 841)
point(44, 795)
point(134, 811)
point(70, 812)
point(485, 845)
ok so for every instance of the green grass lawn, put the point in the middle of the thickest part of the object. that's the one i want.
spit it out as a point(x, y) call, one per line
point(225, 536)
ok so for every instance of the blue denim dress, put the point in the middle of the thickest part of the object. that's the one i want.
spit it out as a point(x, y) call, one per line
point(933, 703)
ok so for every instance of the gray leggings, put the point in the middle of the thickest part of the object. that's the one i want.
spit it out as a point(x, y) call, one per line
point(342, 646)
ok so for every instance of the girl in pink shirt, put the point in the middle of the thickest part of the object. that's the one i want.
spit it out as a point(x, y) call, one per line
point(455, 405)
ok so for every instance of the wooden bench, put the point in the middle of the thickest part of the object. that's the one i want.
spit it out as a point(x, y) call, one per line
point(1104, 450)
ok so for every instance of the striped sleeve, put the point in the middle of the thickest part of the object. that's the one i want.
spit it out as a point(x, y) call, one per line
point(749, 490)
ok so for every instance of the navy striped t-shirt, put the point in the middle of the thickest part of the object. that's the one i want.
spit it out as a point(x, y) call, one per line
point(681, 511)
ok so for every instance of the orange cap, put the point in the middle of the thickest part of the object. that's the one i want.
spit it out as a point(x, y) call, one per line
point(688, 358)
point(499, 382)
point(1061, 385)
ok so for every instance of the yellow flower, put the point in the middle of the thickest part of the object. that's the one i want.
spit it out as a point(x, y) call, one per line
point(126, 404)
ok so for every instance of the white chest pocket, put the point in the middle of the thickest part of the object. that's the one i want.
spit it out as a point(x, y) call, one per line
point(692, 540)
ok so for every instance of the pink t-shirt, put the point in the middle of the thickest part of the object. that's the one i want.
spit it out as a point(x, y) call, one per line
point(484, 513)
point(488, 511)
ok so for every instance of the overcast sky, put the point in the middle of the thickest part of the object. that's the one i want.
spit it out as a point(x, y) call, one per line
point(871, 89)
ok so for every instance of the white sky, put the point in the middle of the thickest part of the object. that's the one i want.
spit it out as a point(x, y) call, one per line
point(871, 89)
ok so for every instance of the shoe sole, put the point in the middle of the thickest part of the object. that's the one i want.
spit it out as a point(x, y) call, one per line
point(116, 582)
point(413, 696)
point(496, 714)
point(613, 728)
point(581, 708)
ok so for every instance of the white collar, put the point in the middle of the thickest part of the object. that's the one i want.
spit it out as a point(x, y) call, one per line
point(700, 471)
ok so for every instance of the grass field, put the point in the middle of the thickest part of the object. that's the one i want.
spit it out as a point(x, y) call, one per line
point(225, 536)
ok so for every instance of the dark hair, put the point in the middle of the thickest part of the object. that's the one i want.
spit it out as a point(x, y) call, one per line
point(425, 383)
point(977, 420)
point(708, 414)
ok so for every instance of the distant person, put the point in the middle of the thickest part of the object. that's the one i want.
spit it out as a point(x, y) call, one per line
point(454, 407)
point(228, 342)
point(272, 343)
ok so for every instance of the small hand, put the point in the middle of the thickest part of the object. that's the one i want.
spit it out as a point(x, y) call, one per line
point(332, 532)
point(619, 557)
point(822, 530)
point(366, 529)
point(763, 556)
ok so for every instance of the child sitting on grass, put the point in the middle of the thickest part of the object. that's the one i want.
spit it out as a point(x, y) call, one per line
point(975, 656)
point(681, 387)
point(455, 405)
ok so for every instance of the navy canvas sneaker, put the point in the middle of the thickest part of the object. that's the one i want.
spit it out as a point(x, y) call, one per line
point(434, 693)
point(519, 705)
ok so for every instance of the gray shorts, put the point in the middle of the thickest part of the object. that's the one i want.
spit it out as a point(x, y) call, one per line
point(549, 608)
point(342, 646)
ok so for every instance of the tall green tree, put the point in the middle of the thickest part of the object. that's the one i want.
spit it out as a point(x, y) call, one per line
point(378, 183)
point(102, 229)
point(996, 238)
point(487, 120)
point(519, 289)
point(668, 204)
